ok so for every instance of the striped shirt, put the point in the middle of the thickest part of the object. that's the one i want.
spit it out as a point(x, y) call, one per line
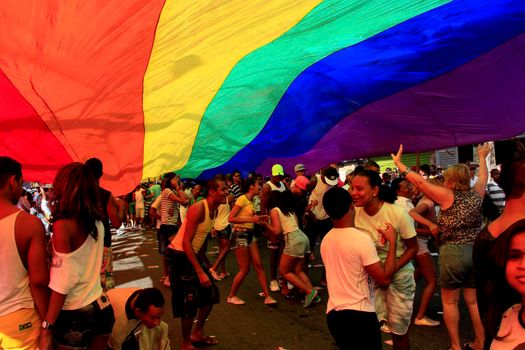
point(497, 195)
point(235, 190)
point(169, 210)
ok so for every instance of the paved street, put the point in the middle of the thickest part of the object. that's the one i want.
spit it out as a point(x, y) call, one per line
point(254, 326)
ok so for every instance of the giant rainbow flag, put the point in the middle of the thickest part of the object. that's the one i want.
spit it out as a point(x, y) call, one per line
point(200, 87)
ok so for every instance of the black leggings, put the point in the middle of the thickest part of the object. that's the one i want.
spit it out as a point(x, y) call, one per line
point(354, 329)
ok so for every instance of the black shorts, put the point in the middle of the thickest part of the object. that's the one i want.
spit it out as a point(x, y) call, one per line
point(164, 233)
point(187, 293)
point(354, 329)
point(226, 233)
point(76, 328)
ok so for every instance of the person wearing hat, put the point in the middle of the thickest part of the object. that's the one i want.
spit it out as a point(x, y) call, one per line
point(318, 221)
point(274, 243)
point(299, 170)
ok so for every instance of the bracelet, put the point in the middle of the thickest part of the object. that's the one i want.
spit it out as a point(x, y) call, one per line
point(404, 173)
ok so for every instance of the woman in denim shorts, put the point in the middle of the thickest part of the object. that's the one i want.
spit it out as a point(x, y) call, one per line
point(244, 244)
point(459, 223)
point(296, 244)
point(80, 315)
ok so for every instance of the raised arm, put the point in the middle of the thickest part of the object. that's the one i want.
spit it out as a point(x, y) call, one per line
point(417, 215)
point(439, 194)
point(483, 175)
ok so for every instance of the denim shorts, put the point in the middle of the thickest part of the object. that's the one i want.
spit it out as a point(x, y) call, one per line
point(242, 238)
point(187, 293)
point(456, 269)
point(76, 328)
point(164, 233)
point(296, 244)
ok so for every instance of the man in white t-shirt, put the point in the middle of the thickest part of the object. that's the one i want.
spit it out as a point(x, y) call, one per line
point(350, 259)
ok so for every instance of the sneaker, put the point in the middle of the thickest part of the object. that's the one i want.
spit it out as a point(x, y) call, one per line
point(309, 298)
point(317, 299)
point(274, 286)
point(385, 328)
point(270, 301)
point(235, 300)
point(425, 321)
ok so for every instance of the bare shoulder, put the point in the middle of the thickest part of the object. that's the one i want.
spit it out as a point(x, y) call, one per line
point(28, 225)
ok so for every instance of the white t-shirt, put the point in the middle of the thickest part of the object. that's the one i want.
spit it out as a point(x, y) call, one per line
point(395, 215)
point(345, 252)
point(317, 194)
point(405, 203)
point(511, 334)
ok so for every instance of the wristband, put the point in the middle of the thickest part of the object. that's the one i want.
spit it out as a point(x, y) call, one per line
point(404, 173)
point(47, 325)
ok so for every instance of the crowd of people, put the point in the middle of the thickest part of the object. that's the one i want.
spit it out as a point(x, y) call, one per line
point(376, 234)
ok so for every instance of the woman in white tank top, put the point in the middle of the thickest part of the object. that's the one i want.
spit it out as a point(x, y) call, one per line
point(79, 314)
point(284, 221)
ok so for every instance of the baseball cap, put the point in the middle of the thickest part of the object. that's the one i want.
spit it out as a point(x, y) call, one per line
point(299, 167)
point(301, 182)
point(331, 176)
point(277, 170)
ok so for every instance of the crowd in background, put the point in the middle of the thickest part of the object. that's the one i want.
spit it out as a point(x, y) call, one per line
point(378, 233)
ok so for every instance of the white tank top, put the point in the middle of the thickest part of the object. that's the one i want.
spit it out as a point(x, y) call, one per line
point(203, 229)
point(273, 187)
point(77, 274)
point(14, 280)
point(288, 222)
point(318, 194)
point(221, 222)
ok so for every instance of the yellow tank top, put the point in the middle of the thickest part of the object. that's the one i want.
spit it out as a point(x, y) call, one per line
point(203, 229)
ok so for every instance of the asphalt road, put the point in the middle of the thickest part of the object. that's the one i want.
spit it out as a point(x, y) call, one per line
point(255, 326)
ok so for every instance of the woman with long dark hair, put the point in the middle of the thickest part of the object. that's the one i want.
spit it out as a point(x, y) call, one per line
point(494, 293)
point(79, 314)
point(296, 244)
